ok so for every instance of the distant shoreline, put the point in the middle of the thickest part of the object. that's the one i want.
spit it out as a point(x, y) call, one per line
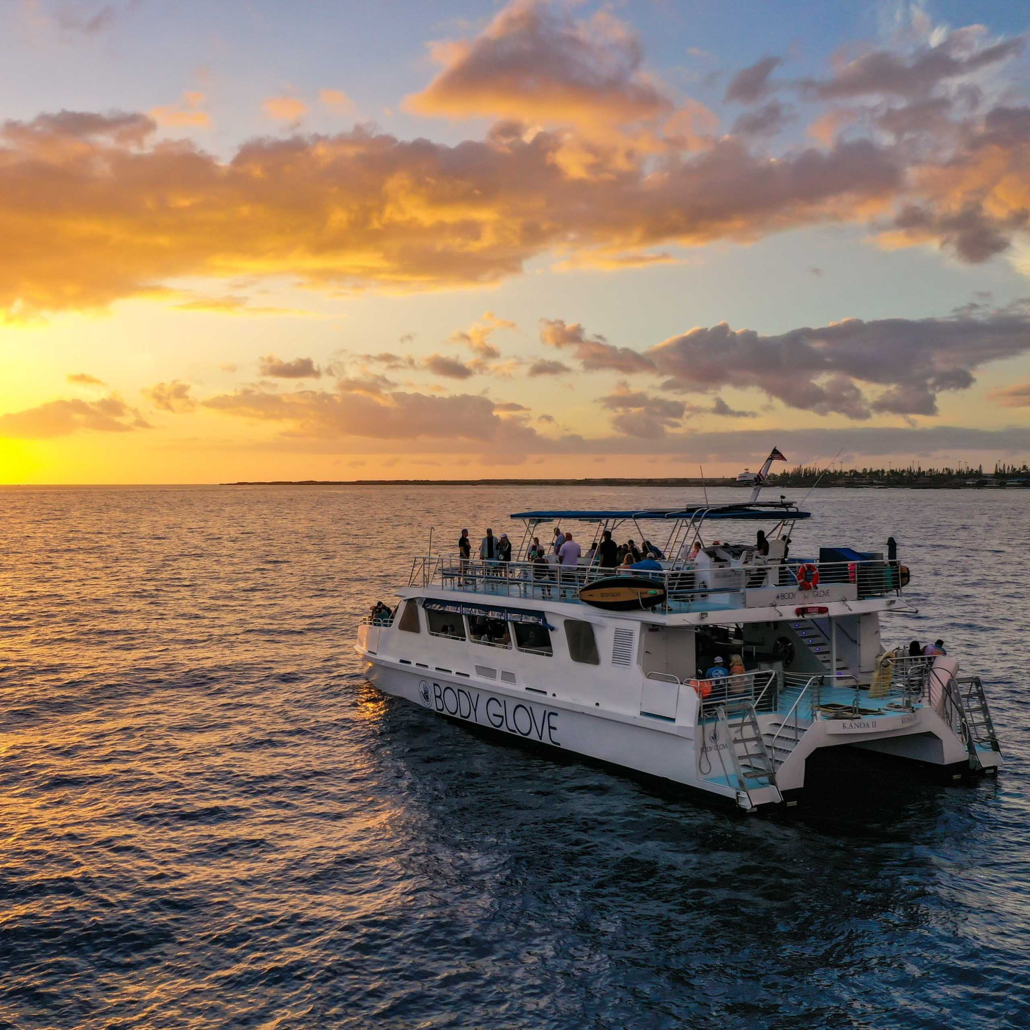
point(607, 481)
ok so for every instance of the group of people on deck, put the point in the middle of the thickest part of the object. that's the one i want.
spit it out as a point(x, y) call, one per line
point(565, 550)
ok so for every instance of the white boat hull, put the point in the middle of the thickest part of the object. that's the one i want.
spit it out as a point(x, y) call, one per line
point(639, 745)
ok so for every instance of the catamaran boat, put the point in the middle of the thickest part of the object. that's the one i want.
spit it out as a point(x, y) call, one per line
point(719, 665)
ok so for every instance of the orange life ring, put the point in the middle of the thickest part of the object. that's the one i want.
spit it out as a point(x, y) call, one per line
point(703, 687)
point(808, 576)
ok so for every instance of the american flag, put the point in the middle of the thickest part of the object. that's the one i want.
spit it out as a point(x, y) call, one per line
point(776, 455)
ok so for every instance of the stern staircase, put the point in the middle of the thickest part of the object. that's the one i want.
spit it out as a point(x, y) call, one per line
point(753, 765)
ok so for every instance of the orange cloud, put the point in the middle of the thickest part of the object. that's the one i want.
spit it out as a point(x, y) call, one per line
point(285, 108)
point(336, 100)
point(189, 113)
point(173, 397)
point(477, 336)
point(1017, 396)
point(63, 417)
point(357, 209)
point(535, 62)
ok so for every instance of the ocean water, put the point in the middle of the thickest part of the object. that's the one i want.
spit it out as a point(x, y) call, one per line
point(207, 819)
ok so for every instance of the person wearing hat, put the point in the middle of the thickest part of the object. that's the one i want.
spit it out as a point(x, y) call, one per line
point(718, 669)
point(504, 548)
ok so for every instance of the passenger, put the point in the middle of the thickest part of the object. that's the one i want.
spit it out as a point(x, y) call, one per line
point(558, 540)
point(631, 548)
point(488, 546)
point(786, 549)
point(650, 562)
point(627, 563)
point(737, 665)
point(915, 649)
point(762, 545)
point(936, 648)
point(464, 553)
point(591, 553)
point(504, 548)
point(717, 670)
point(648, 546)
point(607, 551)
point(569, 551)
point(689, 551)
point(540, 570)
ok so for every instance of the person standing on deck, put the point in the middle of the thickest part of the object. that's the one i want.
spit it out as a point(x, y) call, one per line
point(607, 551)
point(717, 671)
point(464, 553)
point(568, 555)
point(488, 547)
point(569, 551)
point(558, 540)
point(504, 548)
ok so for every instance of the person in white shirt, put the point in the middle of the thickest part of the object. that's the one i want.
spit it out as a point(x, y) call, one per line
point(569, 551)
point(568, 555)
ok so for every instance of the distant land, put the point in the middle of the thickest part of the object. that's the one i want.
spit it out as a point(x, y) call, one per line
point(870, 479)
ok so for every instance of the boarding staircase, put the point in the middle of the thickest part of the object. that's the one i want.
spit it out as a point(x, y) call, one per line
point(752, 762)
point(977, 724)
point(783, 733)
point(817, 641)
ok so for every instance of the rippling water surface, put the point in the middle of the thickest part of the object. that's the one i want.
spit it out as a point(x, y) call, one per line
point(209, 820)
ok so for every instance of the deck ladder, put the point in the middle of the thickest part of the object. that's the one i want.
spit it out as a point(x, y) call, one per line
point(751, 761)
point(979, 726)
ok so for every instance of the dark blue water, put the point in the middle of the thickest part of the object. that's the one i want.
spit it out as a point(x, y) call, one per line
point(208, 820)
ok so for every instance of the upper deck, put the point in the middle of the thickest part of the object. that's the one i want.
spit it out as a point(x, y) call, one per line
point(690, 587)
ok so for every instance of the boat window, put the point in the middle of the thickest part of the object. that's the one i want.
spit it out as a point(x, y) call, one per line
point(493, 632)
point(445, 624)
point(582, 645)
point(530, 636)
point(409, 618)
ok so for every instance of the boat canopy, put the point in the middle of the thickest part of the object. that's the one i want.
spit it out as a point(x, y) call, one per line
point(771, 512)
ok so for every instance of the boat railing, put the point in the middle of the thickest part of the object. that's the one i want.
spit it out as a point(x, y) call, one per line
point(803, 709)
point(903, 677)
point(685, 583)
point(713, 693)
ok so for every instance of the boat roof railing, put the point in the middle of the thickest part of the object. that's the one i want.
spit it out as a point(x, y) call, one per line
point(771, 511)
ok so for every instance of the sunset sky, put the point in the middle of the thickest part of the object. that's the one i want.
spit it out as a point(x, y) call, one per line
point(341, 240)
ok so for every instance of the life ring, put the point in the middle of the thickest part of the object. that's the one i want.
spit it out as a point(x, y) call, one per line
point(903, 575)
point(808, 576)
point(703, 687)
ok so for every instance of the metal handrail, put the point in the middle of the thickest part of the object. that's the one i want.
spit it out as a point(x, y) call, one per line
point(813, 683)
point(684, 582)
point(723, 688)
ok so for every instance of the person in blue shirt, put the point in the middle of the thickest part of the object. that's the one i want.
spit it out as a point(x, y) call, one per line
point(647, 563)
point(717, 671)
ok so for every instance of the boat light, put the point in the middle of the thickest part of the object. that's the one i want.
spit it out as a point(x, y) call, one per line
point(811, 610)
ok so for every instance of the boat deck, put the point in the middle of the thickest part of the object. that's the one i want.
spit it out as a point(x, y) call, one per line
point(688, 588)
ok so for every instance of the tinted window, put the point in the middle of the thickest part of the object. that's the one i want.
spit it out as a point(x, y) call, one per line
point(444, 624)
point(409, 618)
point(529, 636)
point(582, 646)
point(489, 631)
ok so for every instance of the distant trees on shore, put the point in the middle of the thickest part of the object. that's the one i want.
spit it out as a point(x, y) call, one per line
point(912, 475)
